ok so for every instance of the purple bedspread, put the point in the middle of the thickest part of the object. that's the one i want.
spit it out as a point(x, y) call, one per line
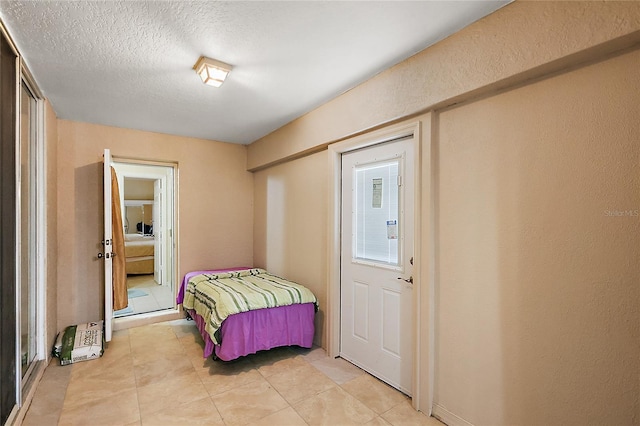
point(249, 332)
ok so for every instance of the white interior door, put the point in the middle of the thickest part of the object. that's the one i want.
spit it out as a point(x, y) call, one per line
point(158, 231)
point(376, 331)
point(107, 252)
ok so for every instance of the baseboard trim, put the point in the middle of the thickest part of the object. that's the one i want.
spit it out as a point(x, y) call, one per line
point(447, 417)
point(18, 414)
point(139, 320)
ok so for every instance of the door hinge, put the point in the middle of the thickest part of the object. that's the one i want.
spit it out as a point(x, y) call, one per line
point(399, 180)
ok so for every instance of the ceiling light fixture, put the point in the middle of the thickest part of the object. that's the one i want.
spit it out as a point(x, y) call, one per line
point(212, 72)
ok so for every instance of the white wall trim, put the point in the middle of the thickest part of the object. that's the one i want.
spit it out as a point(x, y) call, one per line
point(13, 416)
point(429, 209)
point(41, 235)
point(27, 396)
point(448, 418)
point(123, 323)
point(335, 152)
point(7, 36)
point(18, 234)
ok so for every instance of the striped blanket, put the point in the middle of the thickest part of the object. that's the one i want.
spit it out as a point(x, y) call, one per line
point(217, 296)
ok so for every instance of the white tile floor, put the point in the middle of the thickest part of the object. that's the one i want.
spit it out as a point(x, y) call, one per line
point(158, 297)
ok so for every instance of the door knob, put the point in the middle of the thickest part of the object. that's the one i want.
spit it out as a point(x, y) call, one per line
point(409, 280)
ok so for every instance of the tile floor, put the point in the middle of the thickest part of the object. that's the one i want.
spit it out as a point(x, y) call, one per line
point(158, 296)
point(155, 375)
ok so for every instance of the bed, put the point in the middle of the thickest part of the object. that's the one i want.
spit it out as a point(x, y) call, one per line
point(241, 311)
point(139, 253)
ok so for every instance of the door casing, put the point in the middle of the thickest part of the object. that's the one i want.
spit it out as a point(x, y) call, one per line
point(123, 323)
point(335, 152)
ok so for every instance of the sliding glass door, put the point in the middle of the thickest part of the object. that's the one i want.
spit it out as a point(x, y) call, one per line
point(8, 341)
point(22, 238)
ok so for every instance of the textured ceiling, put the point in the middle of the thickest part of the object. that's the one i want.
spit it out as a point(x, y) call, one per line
point(129, 63)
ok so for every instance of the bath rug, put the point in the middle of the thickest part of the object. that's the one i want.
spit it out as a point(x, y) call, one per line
point(135, 292)
point(122, 312)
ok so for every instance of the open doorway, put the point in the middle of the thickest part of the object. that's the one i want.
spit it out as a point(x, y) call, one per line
point(147, 202)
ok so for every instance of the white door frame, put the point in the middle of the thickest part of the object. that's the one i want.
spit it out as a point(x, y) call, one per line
point(174, 313)
point(335, 152)
point(130, 169)
point(108, 239)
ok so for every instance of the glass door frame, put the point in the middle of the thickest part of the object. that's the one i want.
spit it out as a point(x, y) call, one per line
point(38, 248)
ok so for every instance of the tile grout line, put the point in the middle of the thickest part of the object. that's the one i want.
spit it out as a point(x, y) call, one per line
point(289, 405)
point(135, 379)
point(199, 378)
point(341, 386)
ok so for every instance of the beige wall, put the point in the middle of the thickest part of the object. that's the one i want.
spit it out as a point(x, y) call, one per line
point(290, 226)
point(138, 189)
point(521, 215)
point(51, 159)
point(215, 206)
point(538, 302)
point(523, 40)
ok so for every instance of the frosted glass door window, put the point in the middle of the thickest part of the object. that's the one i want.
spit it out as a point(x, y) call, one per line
point(376, 212)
